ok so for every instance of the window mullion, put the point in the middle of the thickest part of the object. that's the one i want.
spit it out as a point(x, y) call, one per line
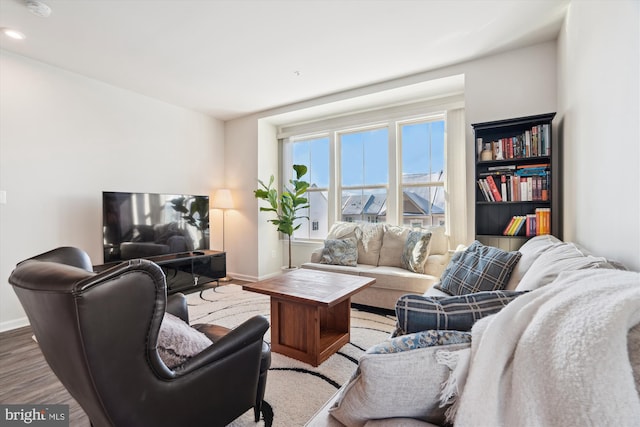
point(335, 179)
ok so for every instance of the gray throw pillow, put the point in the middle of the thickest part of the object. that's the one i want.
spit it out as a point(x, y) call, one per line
point(391, 384)
point(478, 268)
point(179, 342)
point(416, 251)
point(340, 252)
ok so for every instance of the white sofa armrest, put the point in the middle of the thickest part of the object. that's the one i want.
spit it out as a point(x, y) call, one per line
point(316, 255)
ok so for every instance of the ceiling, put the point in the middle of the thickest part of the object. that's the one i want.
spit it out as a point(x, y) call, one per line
point(231, 58)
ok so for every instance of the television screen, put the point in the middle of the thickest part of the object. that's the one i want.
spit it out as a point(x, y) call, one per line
point(141, 225)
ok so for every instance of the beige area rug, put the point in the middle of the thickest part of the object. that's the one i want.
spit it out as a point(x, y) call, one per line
point(295, 390)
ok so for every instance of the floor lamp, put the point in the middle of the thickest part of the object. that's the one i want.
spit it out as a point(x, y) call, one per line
point(222, 200)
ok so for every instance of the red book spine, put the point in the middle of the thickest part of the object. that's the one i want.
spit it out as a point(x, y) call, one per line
point(494, 189)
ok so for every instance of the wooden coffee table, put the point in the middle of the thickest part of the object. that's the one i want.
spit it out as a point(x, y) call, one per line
point(310, 311)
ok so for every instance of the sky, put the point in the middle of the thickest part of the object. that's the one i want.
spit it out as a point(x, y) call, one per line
point(365, 154)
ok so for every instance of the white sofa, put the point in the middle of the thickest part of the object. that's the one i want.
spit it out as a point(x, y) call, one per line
point(384, 383)
point(380, 249)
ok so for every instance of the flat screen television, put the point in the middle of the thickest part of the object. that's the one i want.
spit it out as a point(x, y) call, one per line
point(141, 225)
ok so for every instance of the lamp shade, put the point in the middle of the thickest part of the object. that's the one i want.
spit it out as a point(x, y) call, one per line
point(222, 200)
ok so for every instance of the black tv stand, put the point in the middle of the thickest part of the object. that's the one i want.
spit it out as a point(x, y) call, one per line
point(187, 271)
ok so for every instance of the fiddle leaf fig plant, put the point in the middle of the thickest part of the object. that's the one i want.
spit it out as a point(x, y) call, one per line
point(287, 204)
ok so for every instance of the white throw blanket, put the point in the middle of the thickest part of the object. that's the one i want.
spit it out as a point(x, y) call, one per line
point(558, 356)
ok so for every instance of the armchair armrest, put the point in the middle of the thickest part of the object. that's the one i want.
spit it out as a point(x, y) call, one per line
point(251, 331)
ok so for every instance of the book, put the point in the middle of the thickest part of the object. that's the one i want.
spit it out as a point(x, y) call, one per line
point(494, 189)
point(508, 227)
point(503, 188)
point(501, 168)
point(483, 191)
point(518, 226)
point(487, 190)
point(547, 140)
point(543, 220)
point(531, 225)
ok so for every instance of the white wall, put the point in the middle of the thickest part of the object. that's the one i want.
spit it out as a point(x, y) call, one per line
point(516, 83)
point(599, 98)
point(65, 138)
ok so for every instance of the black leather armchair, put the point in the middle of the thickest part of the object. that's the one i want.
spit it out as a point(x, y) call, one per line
point(99, 333)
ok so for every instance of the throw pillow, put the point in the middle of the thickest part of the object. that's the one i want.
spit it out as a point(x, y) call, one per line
point(530, 251)
point(393, 242)
point(421, 339)
point(478, 268)
point(416, 313)
point(179, 342)
point(340, 252)
point(395, 385)
point(559, 257)
point(369, 237)
point(416, 251)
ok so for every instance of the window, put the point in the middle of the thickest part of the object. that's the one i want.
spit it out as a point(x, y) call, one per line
point(393, 171)
point(423, 173)
point(364, 160)
point(314, 154)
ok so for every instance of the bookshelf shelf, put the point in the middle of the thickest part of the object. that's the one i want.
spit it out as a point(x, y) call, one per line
point(517, 176)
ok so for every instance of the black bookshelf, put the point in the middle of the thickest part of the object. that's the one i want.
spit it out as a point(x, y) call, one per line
point(514, 148)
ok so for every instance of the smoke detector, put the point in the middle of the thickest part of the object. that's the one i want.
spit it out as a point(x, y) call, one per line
point(38, 8)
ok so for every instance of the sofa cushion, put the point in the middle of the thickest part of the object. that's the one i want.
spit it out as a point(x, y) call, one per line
point(390, 385)
point(340, 252)
point(397, 278)
point(436, 263)
point(554, 260)
point(439, 243)
point(342, 230)
point(369, 242)
point(398, 422)
point(357, 270)
point(393, 242)
point(179, 342)
point(368, 237)
point(530, 251)
point(416, 313)
point(416, 251)
point(478, 268)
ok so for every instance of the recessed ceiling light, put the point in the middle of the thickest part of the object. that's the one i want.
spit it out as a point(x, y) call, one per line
point(14, 34)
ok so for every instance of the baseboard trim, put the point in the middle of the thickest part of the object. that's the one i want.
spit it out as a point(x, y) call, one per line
point(14, 324)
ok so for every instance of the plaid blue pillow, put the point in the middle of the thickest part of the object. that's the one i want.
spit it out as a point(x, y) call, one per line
point(478, 268)
point(419, 313)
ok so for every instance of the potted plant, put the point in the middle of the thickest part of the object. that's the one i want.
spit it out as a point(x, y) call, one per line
point(287, 204)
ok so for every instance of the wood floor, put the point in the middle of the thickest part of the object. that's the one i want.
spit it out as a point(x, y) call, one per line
point(25, 376)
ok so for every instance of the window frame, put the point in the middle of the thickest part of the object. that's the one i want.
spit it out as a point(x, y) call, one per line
point(332, 129)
